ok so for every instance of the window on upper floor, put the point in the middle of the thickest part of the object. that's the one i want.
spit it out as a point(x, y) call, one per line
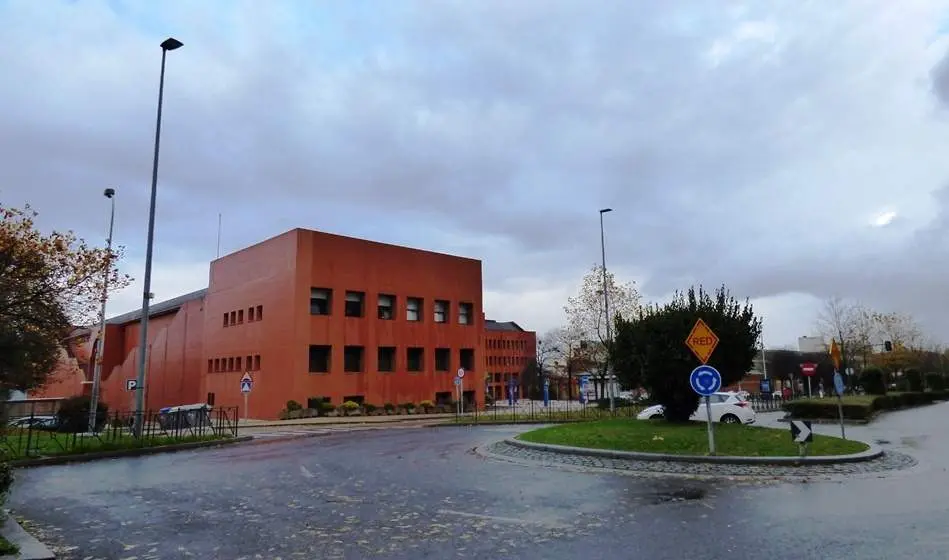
point(321, 300)
point(466, 357)
point(413, 309)
point(260, 312)
point(226, 316)
point(442, 359)
point(441, 311)
point(415, 359)
point(250, 362)
point(250, 314)
point(386, 307)
point(354, 304)
point(352, 359)
point(233, 318)
point(237, 362)
point(465, 312)
point(240, 316)
point(210, 366)
point(385, 358)
point(256, 362)
point(320, 358)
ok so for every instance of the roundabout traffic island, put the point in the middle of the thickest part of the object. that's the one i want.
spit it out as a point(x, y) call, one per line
point(659, 447)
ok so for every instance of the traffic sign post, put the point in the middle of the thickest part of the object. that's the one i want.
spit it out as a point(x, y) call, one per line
point(131, 384)
point(247, 384)
point(801, 434)
point(702, 341)
point(705, 380)
point(839, 389)
point(808, 370)
point(459, 380)
point(546, 392)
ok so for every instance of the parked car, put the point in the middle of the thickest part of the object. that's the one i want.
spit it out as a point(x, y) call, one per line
point(36, 422)
point(727, 408)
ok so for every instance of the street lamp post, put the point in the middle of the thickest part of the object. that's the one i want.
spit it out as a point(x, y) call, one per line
point(606, 307)
point(169, 44)
point(100, 339)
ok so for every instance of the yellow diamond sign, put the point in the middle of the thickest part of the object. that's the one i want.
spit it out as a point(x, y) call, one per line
point(702, 341)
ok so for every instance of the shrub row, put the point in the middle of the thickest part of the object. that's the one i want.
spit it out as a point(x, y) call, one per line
point(318, 406)
point(827, 408)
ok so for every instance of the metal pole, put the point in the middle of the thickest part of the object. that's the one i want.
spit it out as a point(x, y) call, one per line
point(606, 308)
point(764, 361)
point(100, 340)
point(146, 295)
point(711, 432)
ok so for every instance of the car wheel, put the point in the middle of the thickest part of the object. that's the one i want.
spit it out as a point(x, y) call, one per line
point(656, 417)
point(730, 419)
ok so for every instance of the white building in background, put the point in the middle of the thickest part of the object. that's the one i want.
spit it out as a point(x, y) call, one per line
point(811, 344)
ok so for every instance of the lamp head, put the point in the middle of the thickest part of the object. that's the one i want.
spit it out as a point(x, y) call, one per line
point(109, 193)
point(605, 210)
point(171, 44)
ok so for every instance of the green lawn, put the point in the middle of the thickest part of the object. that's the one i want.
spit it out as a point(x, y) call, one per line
point(539, 415)
point(18, 445)
point(658, 436)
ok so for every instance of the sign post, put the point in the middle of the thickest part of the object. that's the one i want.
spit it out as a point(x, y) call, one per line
point(546, 392)
point(705, 379)
point(801, 434)
point(837, 358)
point(458, 384)
point(247, 383)
point(808, 370)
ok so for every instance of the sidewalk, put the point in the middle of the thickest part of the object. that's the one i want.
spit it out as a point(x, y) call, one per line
point(344, 420)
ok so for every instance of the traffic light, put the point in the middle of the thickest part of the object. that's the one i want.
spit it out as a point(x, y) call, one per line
point(887, 346)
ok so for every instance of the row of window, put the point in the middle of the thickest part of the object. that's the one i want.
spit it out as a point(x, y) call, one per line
point(237, 317)
point(502, 344)
point(220, 365)
point(354, 359)
point(503, 377)
point(506, 360)
point(354, 305)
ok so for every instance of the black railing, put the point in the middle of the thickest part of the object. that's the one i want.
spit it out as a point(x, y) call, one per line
point(530, 411)
point(26, 433)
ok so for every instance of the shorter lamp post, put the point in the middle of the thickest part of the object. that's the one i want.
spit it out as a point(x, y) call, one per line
point(100, 340)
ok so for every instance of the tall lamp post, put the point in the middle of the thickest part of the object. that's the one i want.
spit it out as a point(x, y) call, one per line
point(606, 307)
point(169, 44)
point(100, 340)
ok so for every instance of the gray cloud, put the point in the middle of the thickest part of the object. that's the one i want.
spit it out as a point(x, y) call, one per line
point(750, 145)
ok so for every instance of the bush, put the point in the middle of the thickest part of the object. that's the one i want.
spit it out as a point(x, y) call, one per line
point(408, 406)
point(389, 407)
point(73, 415)
point(350, 406)
point(935, 382)
point(6, 481)
point(369, 408)
point(326, 407)
point(873, 381)
point(809, 409)
point(314, 402)
point(426, 406)
point(293, 405)
point(914, 380)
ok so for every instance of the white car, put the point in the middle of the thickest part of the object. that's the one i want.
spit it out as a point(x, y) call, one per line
point(727, 408)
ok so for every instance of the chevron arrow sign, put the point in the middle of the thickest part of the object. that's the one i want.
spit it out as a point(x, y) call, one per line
point(801, 431)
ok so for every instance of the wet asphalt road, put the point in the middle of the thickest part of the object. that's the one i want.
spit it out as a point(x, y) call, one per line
point(421, 493)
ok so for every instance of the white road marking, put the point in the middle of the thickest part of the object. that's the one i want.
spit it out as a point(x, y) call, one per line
point(306, 472)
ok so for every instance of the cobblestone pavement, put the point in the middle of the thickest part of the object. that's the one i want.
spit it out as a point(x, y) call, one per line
point(890, 461)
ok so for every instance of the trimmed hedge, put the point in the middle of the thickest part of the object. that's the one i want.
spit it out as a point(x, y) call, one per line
point(813, 409)
point(873, 381)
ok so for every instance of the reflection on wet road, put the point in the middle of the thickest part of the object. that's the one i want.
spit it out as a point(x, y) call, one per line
point(423, 493)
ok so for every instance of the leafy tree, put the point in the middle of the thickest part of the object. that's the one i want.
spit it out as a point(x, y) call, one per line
point(48, 283)
point(651, 351)
point(873, 380)
point(587, 321)
point(531, 380)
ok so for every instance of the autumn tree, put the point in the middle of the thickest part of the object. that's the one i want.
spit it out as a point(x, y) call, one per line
point(650, 350)
point(48, 283)
point(587, 322)
point(852, 325)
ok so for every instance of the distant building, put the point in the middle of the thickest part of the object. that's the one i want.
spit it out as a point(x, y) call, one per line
point(508, 349)
point(811, 344)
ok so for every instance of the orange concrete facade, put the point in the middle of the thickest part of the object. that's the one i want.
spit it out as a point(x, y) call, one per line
point(508, 350)
point(307, 314)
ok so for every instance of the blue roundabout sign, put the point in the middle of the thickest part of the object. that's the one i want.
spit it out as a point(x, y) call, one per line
point(705, 380)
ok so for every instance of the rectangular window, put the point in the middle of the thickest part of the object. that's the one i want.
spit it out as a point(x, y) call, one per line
point(465, 312)
point(250, 362)
point(413, 309)
point(240, 317)
point(467, 358)
point(386, 306)
point(321, 300)
point(256, 362)
point(217, 365)
point(226, 323)
point(260, 312)
point(354, 301)
point(230, 364)
point(238, 361)
point(442, 359)
point(386, 358)
point(210, 367)
point(233, 318)
point(415, 358)
point(441, 311)
point(319, 358)
point(250, 314)
point(352, 359)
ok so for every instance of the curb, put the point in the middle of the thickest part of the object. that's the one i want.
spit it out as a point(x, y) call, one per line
point(829, 422)
point(30, 547)
point(119, 453)
point(398, 420)
point(873, 452)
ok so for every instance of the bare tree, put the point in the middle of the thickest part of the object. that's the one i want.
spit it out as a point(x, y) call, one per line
point(852, 325)
point(587, 322)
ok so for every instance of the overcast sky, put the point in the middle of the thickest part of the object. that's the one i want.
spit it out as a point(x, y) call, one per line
point(792, 150)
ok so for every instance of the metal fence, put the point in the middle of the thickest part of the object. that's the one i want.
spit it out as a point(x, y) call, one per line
point(30, 431)
point(767, 403)
point(529, 411)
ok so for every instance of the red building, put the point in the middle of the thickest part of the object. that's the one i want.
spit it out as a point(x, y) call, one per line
point(307, 314)
point(508, 349)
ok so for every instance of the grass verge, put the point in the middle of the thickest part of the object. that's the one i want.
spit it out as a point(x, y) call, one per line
point(541, 417)
point(659, 436)
point(7, 547)
point(51, 444)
